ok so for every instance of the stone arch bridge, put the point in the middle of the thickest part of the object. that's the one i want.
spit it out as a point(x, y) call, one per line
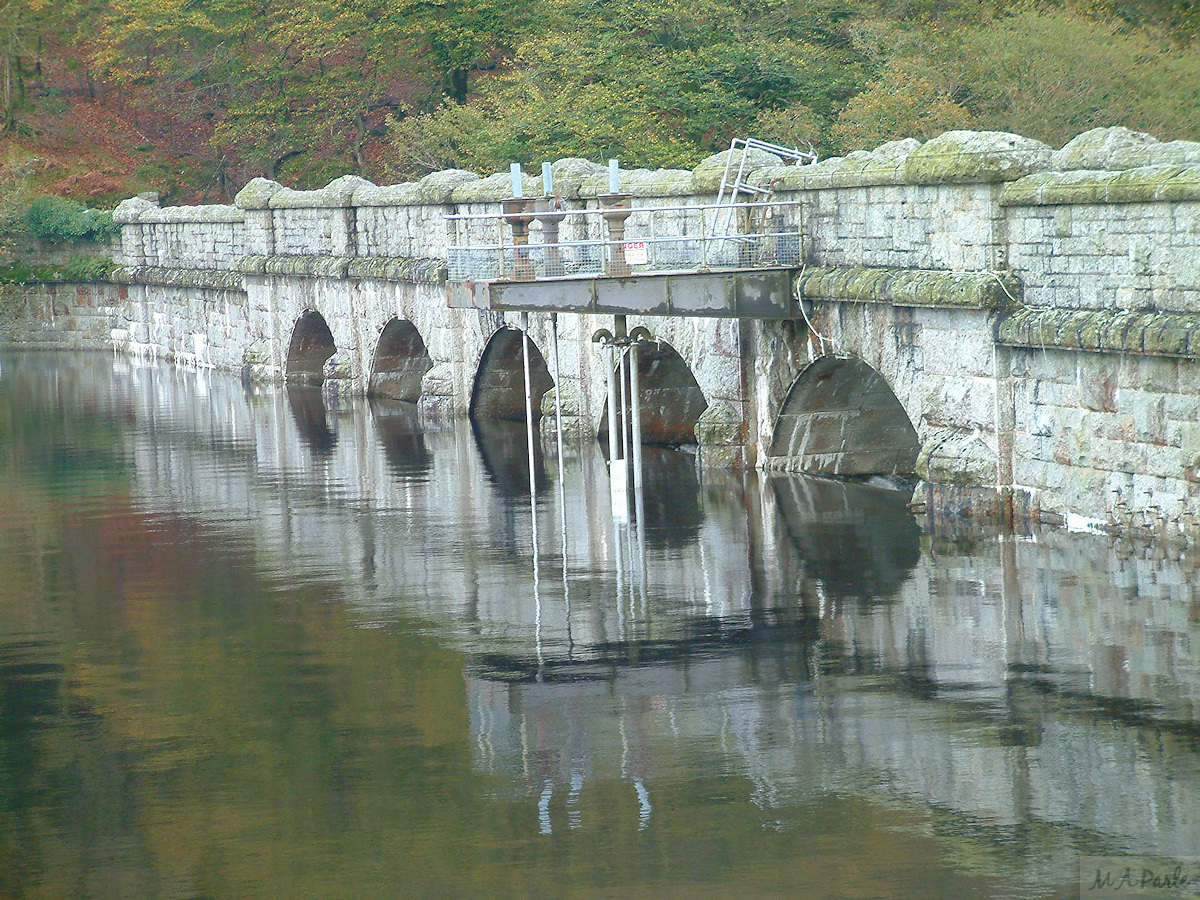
point(1016, 325)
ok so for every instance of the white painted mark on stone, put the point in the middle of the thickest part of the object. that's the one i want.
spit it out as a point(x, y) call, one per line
point(1084, 525)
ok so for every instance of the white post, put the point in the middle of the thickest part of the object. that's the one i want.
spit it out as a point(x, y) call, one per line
point(639, 496)
point(562, 490)
point(622, 357)
point(529, 431)
point(612, 406)
point(618, 476)
point(635, 403)
point(557, 391)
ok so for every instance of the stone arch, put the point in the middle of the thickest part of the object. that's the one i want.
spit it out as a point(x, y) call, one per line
point(499, 391)
point(841, 417)
point(401, 361)
point(310, 348)
point(671, 398)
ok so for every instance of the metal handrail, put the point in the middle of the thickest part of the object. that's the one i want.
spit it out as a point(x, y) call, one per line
point(633, 210)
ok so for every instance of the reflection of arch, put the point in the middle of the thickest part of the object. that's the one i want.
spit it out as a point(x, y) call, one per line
point(841, 418)
point(860, 542)
point(403, 440)
point(499, 391)
point(672, 505)
point(401, 361)
point(311, 346)
point(671, 399)
point(504, 450)
point(308, 409)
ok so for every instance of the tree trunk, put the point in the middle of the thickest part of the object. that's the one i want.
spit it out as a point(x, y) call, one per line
point(456, 85)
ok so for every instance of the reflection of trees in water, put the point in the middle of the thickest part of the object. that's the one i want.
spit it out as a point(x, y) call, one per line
point(312, 421)
point(860, 542)
point(403, 440)
point(58, 427)
point(504, 448)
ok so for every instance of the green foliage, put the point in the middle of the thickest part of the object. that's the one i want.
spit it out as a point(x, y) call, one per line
point(1054, 75)
point(79, 269)
point(903, 103)
point(1049, 75)
point(62, 221)
point(305, 90)
point(662, 84)
point(14, 199)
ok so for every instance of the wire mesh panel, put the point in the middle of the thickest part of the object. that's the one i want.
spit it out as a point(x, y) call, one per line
point(623, 241)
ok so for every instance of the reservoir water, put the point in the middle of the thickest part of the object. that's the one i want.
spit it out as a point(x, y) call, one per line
point(251, 646)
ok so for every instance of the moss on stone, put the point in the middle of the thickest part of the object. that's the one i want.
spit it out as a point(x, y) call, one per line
point(1151, 334)
point(175, 215)
point(1185, 185)
point(416, 270)
point(1090, 328)
point(307, 266)
point(252, 265)
point(1140, 185)
point(493, 188)
point(216, 279)
point(1147, 184)
point(641, 183)
point(1095, 149)
point(1115, 334)
point(337, 194)
point(975, 156)
point(570, 174)
point(257, 194)
point(957, 457)
point(907, 287)
point(706, 177)
point(1166, 336)
point(719, 425)
point(131, 210)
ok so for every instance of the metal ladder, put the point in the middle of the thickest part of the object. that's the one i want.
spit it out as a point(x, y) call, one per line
point(724, 225)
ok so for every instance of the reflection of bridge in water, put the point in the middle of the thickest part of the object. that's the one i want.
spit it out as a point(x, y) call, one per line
point(804, 634)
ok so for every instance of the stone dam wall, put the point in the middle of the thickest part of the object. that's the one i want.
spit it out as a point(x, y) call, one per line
point(1018, 324)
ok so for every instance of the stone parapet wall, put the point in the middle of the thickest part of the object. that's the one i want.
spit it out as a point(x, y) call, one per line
point(180, 237)
point(1111, 256)
point(1120, 231)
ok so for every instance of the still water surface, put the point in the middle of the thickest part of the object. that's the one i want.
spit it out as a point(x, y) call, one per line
point(252, 647)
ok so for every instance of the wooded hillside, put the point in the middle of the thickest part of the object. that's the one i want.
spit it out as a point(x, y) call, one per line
point(99, 98)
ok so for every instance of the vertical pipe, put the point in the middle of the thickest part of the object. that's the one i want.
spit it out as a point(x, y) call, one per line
point(562, 490)
point(557, 394)
point(529, 430)
point(612, 406)
point(639, 496)
point(622, 356)
point(635, 403)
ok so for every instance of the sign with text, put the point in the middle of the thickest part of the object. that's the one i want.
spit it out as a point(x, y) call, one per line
point(636, 253)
